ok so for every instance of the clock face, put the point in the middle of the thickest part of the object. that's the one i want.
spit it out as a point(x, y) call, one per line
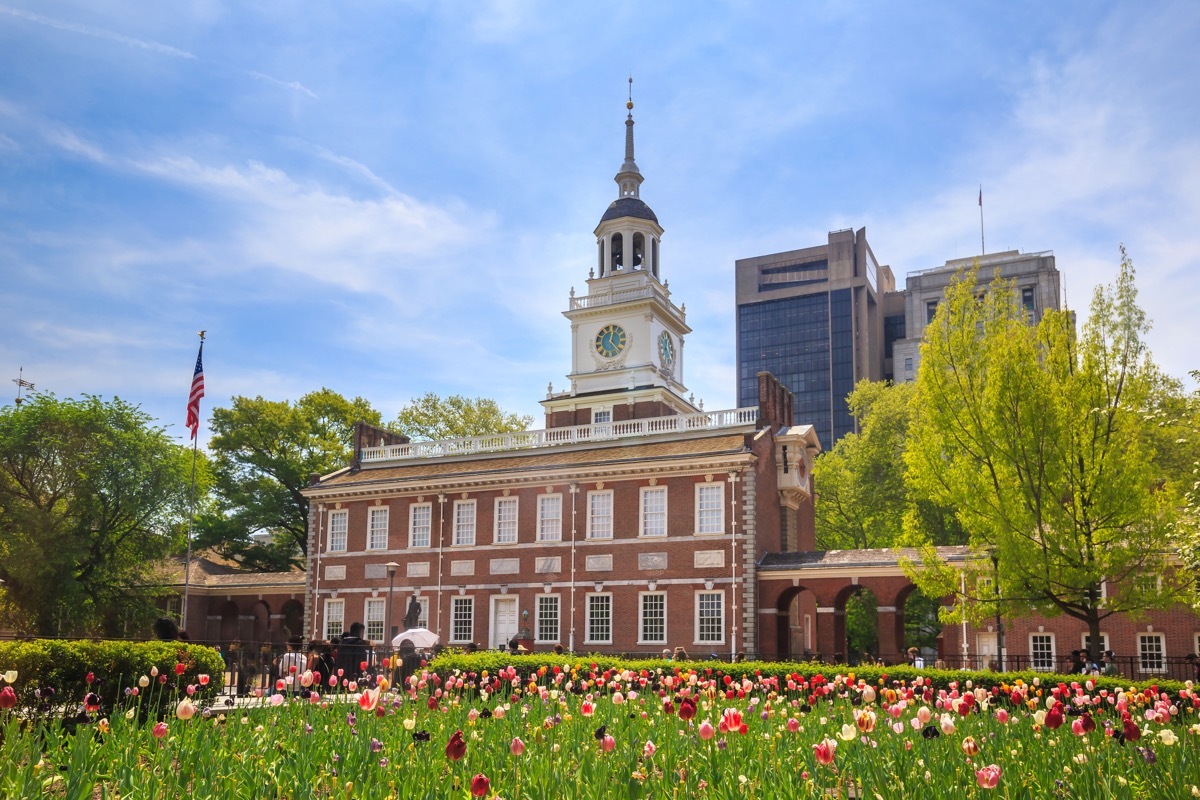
point(666, 349)
point(610, 341)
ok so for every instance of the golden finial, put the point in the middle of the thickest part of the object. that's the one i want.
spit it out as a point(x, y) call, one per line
point(629, 105)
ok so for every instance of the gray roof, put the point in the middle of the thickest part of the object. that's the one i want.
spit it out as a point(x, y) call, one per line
point(628, 207)
point(889, 557)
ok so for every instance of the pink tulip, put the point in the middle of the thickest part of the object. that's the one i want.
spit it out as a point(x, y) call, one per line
point(517, 747)
point(988, 777)
point(706, 730)
point(159, 730)
point(793, 724)
point(608, 743)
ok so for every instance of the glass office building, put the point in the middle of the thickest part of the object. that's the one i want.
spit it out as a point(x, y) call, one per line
point(810, 318)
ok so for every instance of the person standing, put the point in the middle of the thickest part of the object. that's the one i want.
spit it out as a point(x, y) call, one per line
point(293, 661)
point(352, 653)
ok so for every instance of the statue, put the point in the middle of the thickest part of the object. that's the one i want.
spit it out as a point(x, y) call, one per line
point(413, 614)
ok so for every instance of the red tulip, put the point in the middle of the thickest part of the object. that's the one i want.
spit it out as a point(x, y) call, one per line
point(824, 751)
point(480, 785)
point(91, 676)
point(180, 669)
point(8, 698)
point(1054, 718)
point(687, 709)
point(456, 748)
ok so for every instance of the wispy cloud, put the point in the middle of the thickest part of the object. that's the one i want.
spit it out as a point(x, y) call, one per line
point(295, 86)
point(98, 33)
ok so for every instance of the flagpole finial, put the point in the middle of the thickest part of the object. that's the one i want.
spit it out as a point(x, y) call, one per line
point(201, 334)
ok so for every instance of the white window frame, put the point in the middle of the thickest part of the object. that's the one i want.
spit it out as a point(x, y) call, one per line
point(466, 603)
point(542, 615)
point(464, 529)
point(374, 611)
point(701, 595)
point(1043, 663)
point(334, 612)
point(339, 530)
point(643, 597)
point(375, 528)
point(602, 422)
point(600, 525)
point(1146, 658)
point(549, 528)
point(420, 534)
point(505, 529)
point(645, 514)
point(591, 600)
point(174, 608)
point(702, 513)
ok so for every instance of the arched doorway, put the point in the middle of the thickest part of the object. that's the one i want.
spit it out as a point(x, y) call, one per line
point(796, 625)
point(293, 618)
point(857, 614)
point(919, 623)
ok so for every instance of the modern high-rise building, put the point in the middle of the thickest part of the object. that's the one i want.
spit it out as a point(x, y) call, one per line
point(823, 318)
point(812, 319)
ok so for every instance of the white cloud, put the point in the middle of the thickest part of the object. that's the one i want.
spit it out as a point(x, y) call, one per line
point(98, 33)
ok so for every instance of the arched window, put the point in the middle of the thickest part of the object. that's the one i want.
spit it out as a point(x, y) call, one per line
point(600, 255)
point(654, 257)
point(639, 250)
point(616, 252)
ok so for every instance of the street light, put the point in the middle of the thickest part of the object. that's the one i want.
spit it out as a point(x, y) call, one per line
point(999, 621)
point(392, 566)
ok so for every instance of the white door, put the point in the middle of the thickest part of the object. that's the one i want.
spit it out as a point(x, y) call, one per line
point(985, 650)
point(504, 621)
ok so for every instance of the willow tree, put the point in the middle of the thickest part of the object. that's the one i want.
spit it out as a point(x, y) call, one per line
point(1037, 438)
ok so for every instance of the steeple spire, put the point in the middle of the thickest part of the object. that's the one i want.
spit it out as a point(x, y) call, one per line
point(629, 178)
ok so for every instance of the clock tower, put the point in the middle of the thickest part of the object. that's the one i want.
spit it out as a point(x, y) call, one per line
point(627, 336)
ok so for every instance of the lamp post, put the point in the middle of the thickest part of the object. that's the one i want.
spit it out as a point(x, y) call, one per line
point(392, 566)
point(999, 620)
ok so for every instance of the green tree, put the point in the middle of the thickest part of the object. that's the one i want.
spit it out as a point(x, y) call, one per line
point(1037, 439)
point(862, 492)
point(92, 495)
point(263, 452)
point(431, 417)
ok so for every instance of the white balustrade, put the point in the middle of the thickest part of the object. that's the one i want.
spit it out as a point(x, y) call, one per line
point(525, 440)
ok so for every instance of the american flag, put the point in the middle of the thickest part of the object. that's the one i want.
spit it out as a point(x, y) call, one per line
point(193, 406)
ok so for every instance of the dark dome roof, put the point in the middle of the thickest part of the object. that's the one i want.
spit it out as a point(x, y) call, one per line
point(628, 207)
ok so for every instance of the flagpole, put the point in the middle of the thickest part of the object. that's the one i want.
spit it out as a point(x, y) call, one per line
point(982, 246)
point(187, 564)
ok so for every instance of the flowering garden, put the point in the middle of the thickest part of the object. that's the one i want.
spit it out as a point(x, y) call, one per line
point(523, 727)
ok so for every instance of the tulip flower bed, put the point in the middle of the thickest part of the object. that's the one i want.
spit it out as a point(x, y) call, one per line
point(579, 731)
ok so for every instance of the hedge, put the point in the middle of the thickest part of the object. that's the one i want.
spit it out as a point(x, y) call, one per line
point(52, 674)
point(939, 678)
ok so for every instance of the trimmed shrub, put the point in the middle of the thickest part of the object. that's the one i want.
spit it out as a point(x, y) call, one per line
point(52, 675)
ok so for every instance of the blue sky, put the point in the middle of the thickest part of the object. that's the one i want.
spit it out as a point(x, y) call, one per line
point(390, 198)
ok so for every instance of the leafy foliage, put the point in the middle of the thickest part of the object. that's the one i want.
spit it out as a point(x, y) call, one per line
point(263, 453)
point(1038, 440)
point(431, 417)
point(862, 491)
point(90, 495)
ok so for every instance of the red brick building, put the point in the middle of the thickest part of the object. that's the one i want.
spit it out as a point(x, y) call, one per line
point(635, 520)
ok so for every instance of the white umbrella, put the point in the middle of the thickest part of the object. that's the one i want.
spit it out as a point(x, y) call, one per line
point(422, 638)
